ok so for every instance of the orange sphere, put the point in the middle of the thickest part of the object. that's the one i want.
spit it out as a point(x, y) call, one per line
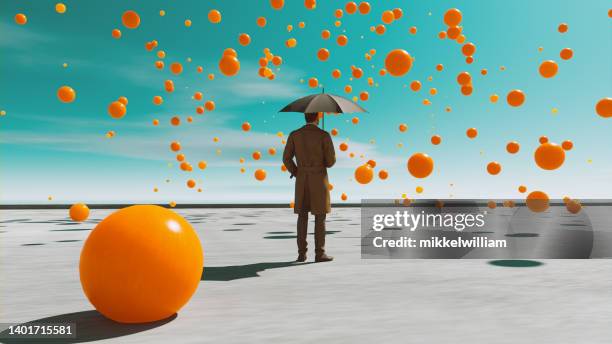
point(566, 53)
point(398, 62)
point(342, 40)
point(383, 174)
point(387, 17)
point(343, 146)
point(543, 139)
point(116, 109)
point(244, 39)
point(202, 165)
point(323, 54)
point(21, 19)
point(116, 33)
point(573, 206)
point(436, 140)
point(66, 94)
point(537, 201)
point(209, 105)
point(452, 17)
point(468, 49)
point(549, 156)
point(515, 98)
point(604, 107)
point(403, 127)
point(494, 168)
point(256, 155)
point(350, 7)
point(563, 27)
point(261, 21)
point(260, 174)
point(420, 165)
point(141, 245)
point(548, 69)
point(355, 120)
point(415, 85)
point(79, 212)
point(364, 174)
point(277, 4)
point(246, 126)
point(175, 146)
point(214, 16)
point(522, 188)
point(229, 65)
point(176, 68)
point(191, 183)
point(464, 78)
point(471, 133)
point(513, 147)
point(364, 7)
point(371, 163)
point(334, 132)
point(313, 82)
point(130, 19)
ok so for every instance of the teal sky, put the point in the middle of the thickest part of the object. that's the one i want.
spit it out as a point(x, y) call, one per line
point(48, 148)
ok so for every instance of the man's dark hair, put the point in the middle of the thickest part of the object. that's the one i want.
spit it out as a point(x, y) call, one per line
point(311, 116)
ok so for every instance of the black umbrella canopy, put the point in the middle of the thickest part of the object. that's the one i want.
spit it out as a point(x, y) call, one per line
point(323, 102)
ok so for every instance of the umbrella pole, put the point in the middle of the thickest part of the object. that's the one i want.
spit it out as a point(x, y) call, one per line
point(323, 120)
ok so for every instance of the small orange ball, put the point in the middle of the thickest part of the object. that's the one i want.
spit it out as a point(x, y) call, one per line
point(383, 174)
point(214, 16)
point(260, 174)
point(436, 140)
point(66, 94)
point(130, 19)
point(471, 133)
point(515, 98)
point(79, 212)
point(537, 201)
point(116, 109)
point(398, 62)
point(364, 174)
point(604, 107)
point(494, 168)
point(549, 156)
point(513, 147)
point(420, 165)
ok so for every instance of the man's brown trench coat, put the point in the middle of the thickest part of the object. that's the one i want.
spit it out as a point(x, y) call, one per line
point(314, 151)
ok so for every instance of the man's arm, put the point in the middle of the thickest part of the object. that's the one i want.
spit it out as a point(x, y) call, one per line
point(288, 155)
point(328, 151)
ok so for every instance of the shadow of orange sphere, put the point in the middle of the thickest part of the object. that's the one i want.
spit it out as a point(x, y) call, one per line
point(549, 156)
point(420, 165)
point(141, 264)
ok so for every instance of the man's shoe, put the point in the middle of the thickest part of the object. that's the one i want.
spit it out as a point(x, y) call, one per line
point(323, 258)
point(301, 258)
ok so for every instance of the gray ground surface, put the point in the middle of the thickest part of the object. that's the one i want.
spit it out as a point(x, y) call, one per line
point(252, 294)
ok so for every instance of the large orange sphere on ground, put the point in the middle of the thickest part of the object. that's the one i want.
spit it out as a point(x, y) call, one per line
point(398, 62)
point(364, 174)
point(420, 165)
point(141, 264)
point(549, 156)
point(79, 212)
point(537, 201)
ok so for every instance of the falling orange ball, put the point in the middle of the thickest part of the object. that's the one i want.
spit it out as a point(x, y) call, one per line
point(604, 107)
point(364, 7)
point(537, 201)
point(566, 53)
point(277, 4)
point(79, 212)
point(261, 21)
point(522, 189)
point(543, 139)
point(323, 54)
point(21, 19)
point(130, 19)
point(343, 146)
point(515, 98)
point(513, 147)
point(191, 183)
point(383, 174)
point(260, 174)
point(494, 168)
point(563, 27)
point(548, 69)
point(343, 197)
point(355, 120)
point(256, 155)
point(420, 165)
point(415, 85)
point(398, 62)
point(229, 65)
point(244, 39)
point(468, 49)
point(403, 127)
point(175, 146)
point(549, 156)
point(436, 140)
point(116, 33)
point(246, 126)
point(214, 16)
point(471, 133)
point(452, 17)
point(464, 78)
point(116, 109)
point(364, 174)
point(387, 17)
point(141, 245)
point(342, 40)
point(66, 94)
point(567, 145)
point(176, 68)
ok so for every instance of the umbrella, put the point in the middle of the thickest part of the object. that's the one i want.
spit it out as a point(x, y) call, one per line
point(323, 102)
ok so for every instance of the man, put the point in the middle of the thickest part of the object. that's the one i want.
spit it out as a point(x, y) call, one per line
point(314, 151)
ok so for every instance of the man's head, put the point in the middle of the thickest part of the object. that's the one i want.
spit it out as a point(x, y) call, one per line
point(312, 117)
